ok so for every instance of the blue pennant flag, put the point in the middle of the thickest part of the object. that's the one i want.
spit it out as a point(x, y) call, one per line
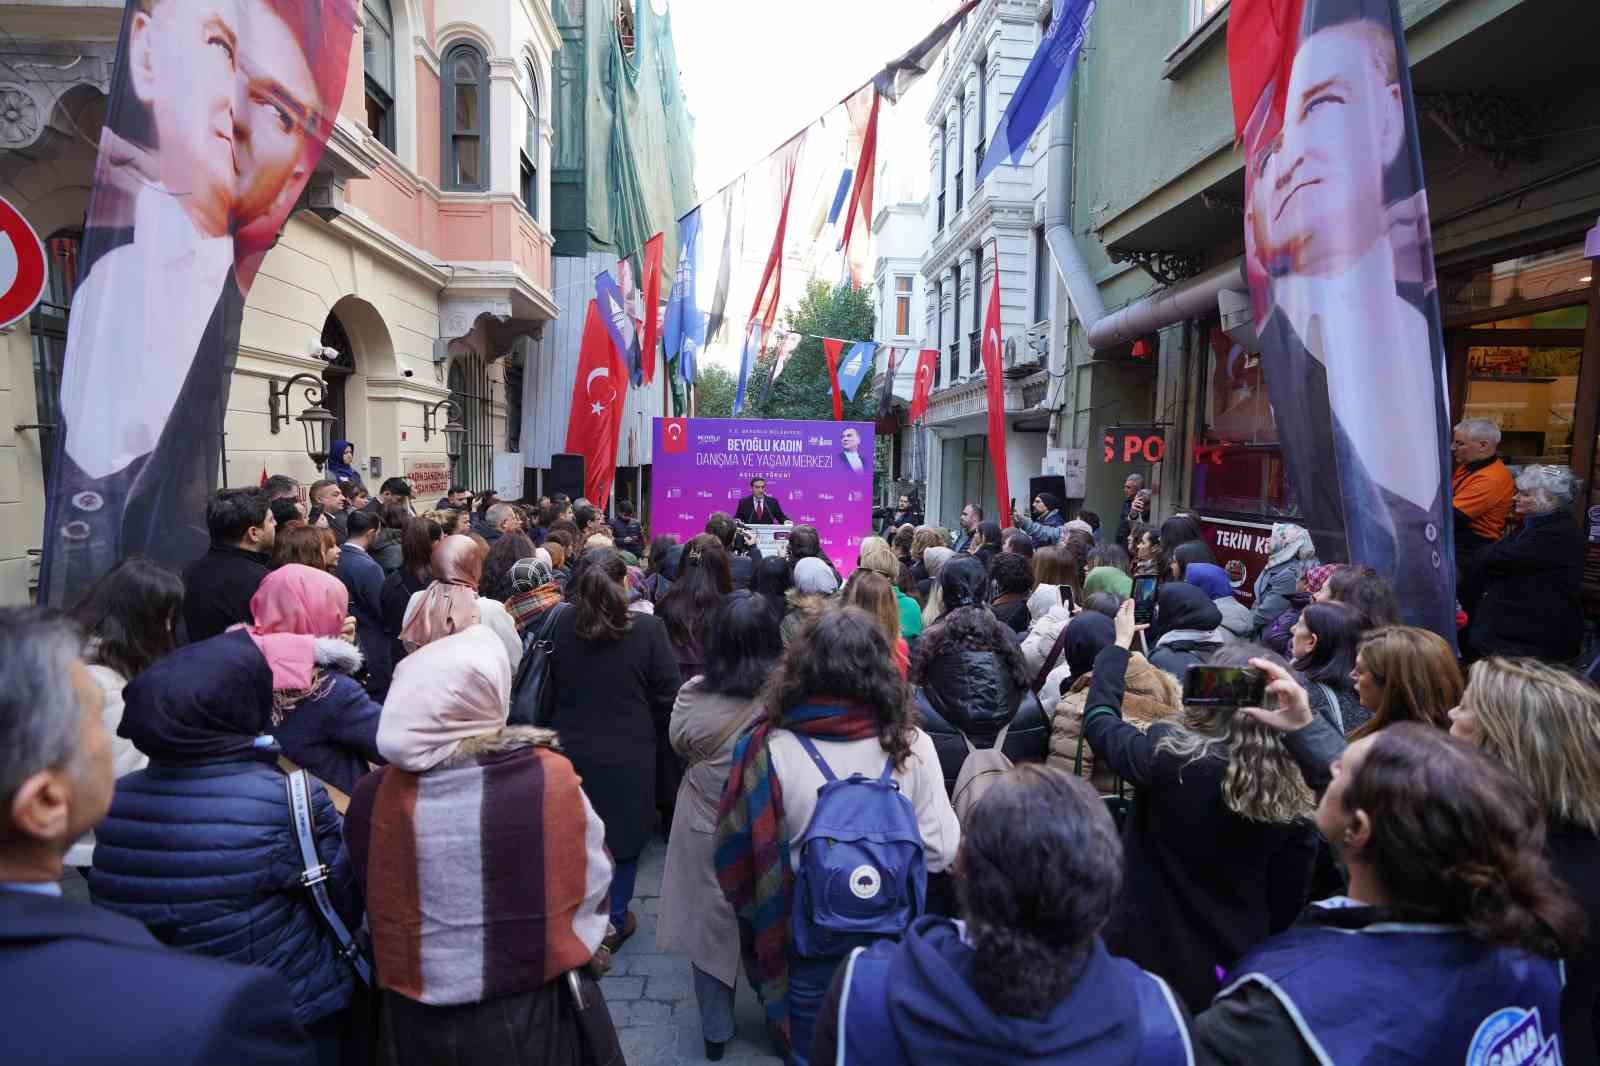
point(747, 359)
point(855, 366)
point(839, 195)
point(684, 329)
point(1043, 85)
point(618, 323)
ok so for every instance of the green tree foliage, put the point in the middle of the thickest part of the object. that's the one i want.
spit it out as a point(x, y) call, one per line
point(714, 391)
point(803, 391)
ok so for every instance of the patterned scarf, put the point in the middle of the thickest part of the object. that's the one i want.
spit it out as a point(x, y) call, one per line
point(526, 608)
point(752, 856)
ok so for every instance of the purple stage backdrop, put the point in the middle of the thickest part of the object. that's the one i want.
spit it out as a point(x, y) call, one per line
point(704, 465)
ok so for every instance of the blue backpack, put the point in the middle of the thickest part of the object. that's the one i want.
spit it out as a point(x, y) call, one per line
point(860, 875)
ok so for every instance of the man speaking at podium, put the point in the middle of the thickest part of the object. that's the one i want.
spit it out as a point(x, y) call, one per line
point(759, 509)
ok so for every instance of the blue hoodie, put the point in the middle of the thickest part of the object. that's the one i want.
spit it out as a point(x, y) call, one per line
point(1114, 1014)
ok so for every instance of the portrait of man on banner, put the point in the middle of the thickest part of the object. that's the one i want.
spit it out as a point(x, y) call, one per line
point(219, 111)
point(1340, 263)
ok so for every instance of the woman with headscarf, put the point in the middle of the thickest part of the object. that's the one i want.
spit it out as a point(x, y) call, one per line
point(1151, 695)
point(1309, 589)
point(200, 845)
point(1108, 579)
point(815, 585)
point(483, 869)
point(1290, 554)
point(341, 467)
point(1213, 581)
point(451, 602)
point(533, 591)
point(321, 716)
point(1189, 627)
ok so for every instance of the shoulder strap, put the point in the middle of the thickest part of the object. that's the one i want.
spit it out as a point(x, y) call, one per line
point(1334, 711)
point(1050, 660)
point(315, 876)
point(816, 756)
point(1166, 1037)
point(733, 730)
point(341, 800)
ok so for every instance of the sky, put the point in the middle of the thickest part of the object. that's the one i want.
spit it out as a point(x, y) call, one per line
point(757, 71)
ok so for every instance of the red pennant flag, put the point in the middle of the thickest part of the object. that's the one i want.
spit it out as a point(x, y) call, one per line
point(264, 474)
point(597, 401)
point(652, 305)
point(833, 349)
point(995, 385)
point(786, 160)
point(1262, 37)
point(866, 172)
point(926, 361)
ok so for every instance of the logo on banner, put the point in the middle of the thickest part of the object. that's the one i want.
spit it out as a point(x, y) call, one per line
point(1512, 1036)
point(674, 435)
point(22, 265)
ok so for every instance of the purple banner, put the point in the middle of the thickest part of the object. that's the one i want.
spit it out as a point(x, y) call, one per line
point(815, 473)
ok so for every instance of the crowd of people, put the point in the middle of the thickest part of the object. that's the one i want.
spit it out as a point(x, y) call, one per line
point(368, 784)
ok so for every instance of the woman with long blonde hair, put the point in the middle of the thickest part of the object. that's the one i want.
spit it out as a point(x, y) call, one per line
point(1543, 724)
point(1220, 839)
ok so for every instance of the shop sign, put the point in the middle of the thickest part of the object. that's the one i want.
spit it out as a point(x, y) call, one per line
point(1240, 548)
point(1134, 444)
point(430, 478)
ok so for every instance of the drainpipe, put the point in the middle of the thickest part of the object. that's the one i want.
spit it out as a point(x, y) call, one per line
point(1190, 299)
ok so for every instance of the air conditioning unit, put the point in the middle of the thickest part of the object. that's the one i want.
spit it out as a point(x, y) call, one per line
point(1024, 354)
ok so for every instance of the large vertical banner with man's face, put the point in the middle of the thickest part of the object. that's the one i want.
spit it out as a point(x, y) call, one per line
point(1340, 262)
point(219, 111)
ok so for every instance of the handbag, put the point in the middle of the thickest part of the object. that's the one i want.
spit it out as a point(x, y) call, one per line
point(532, 694)
point(314, 876)
point(597, 1033)
point(1118, 803)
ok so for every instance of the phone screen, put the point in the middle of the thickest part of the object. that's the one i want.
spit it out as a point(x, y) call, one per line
point(1069, 599)
point(1144, 599)
point(1228, 686)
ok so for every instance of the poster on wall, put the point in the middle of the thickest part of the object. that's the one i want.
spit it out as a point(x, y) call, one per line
point(217, 115)
point(814, 473)
point(1339, 256)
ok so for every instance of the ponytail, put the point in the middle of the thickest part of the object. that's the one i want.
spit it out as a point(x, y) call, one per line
point(598, 598)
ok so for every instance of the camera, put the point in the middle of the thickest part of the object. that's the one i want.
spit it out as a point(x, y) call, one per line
point(408, 373)
point(326, 354)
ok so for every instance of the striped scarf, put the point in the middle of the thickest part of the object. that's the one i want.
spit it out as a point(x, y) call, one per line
point(528, 607)
point(752, 856)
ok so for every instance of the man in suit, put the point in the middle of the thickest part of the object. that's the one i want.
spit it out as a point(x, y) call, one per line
point(850, 457)
point(1348, 346)
point(85, 986)
point(221, 583)
point(739, 544)
point(363, 576)
point(758, 508)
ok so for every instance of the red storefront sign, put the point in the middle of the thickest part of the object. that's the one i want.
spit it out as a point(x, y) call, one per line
point(1240, 548)
point(1134, 444)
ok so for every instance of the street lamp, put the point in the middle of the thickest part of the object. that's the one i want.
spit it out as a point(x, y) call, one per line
point(453, 429)
point(316, 419)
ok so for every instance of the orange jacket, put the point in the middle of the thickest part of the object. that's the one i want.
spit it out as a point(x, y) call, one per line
point(1482, 492)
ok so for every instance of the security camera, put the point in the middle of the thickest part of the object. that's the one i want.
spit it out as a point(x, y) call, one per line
point(407, 373)
point(325, 353)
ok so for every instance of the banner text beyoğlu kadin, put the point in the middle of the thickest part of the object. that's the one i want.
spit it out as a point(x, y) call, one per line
point(819, 472)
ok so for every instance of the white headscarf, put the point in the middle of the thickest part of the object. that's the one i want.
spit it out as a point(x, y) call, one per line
point(450, 689)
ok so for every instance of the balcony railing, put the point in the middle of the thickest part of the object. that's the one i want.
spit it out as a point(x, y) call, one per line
point(975, 356)
point(940, 227)
point(958, 192)
point(955, 360)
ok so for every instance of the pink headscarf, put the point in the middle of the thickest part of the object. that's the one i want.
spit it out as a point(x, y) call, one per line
point(293, 606)
point(457, 687)
point(450, 604)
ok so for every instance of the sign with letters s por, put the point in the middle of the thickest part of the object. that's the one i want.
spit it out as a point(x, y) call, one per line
point(820, 473)
point(1133, 444)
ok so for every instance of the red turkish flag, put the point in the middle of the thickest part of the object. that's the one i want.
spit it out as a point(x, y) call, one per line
point(597, 400)
point(652, 306)
point(995, 385)
point(833, 349)
point(926, 361)
point(1262, 38)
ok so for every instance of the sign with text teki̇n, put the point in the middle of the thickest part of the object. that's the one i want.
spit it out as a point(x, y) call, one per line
point(705, 465)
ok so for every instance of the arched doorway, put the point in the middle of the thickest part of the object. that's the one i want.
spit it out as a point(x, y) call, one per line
point(338, 372)
point(469, 389)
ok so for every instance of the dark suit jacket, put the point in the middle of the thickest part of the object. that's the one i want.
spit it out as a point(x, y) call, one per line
point(85, 987)
point(363, 576)
point(1531, 601)
point(746, 511)
point(218, 588)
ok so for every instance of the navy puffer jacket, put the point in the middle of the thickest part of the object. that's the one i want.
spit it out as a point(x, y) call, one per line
point(198, 845)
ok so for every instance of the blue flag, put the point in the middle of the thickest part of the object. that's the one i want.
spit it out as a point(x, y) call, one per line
point(684, 329)
point(1042, 86)
point(618, 323)
point(747, 359)
point(839, 195)
point(855, 366)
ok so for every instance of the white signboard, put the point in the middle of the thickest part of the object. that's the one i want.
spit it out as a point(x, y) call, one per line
point(508, 475)
point(1075, 463)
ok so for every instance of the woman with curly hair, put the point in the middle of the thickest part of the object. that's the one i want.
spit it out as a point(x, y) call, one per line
point(835, 689)
point(1028, 976)
point(1220, 842)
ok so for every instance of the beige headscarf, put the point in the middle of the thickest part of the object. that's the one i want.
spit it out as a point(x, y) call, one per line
point(450, 604)
point(457, 687)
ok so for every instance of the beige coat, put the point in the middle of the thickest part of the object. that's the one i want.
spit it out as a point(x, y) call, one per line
point(695, 918)
point(1150, 695)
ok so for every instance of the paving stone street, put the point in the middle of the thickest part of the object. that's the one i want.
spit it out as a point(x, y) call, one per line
point(651, 995)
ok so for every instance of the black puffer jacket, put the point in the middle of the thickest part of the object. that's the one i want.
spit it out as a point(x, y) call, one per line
point(969, 690)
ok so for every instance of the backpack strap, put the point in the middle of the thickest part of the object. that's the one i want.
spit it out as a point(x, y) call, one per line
point(816, 757)
point(1334, 711)
point(1050, 660)
point(315, 876)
